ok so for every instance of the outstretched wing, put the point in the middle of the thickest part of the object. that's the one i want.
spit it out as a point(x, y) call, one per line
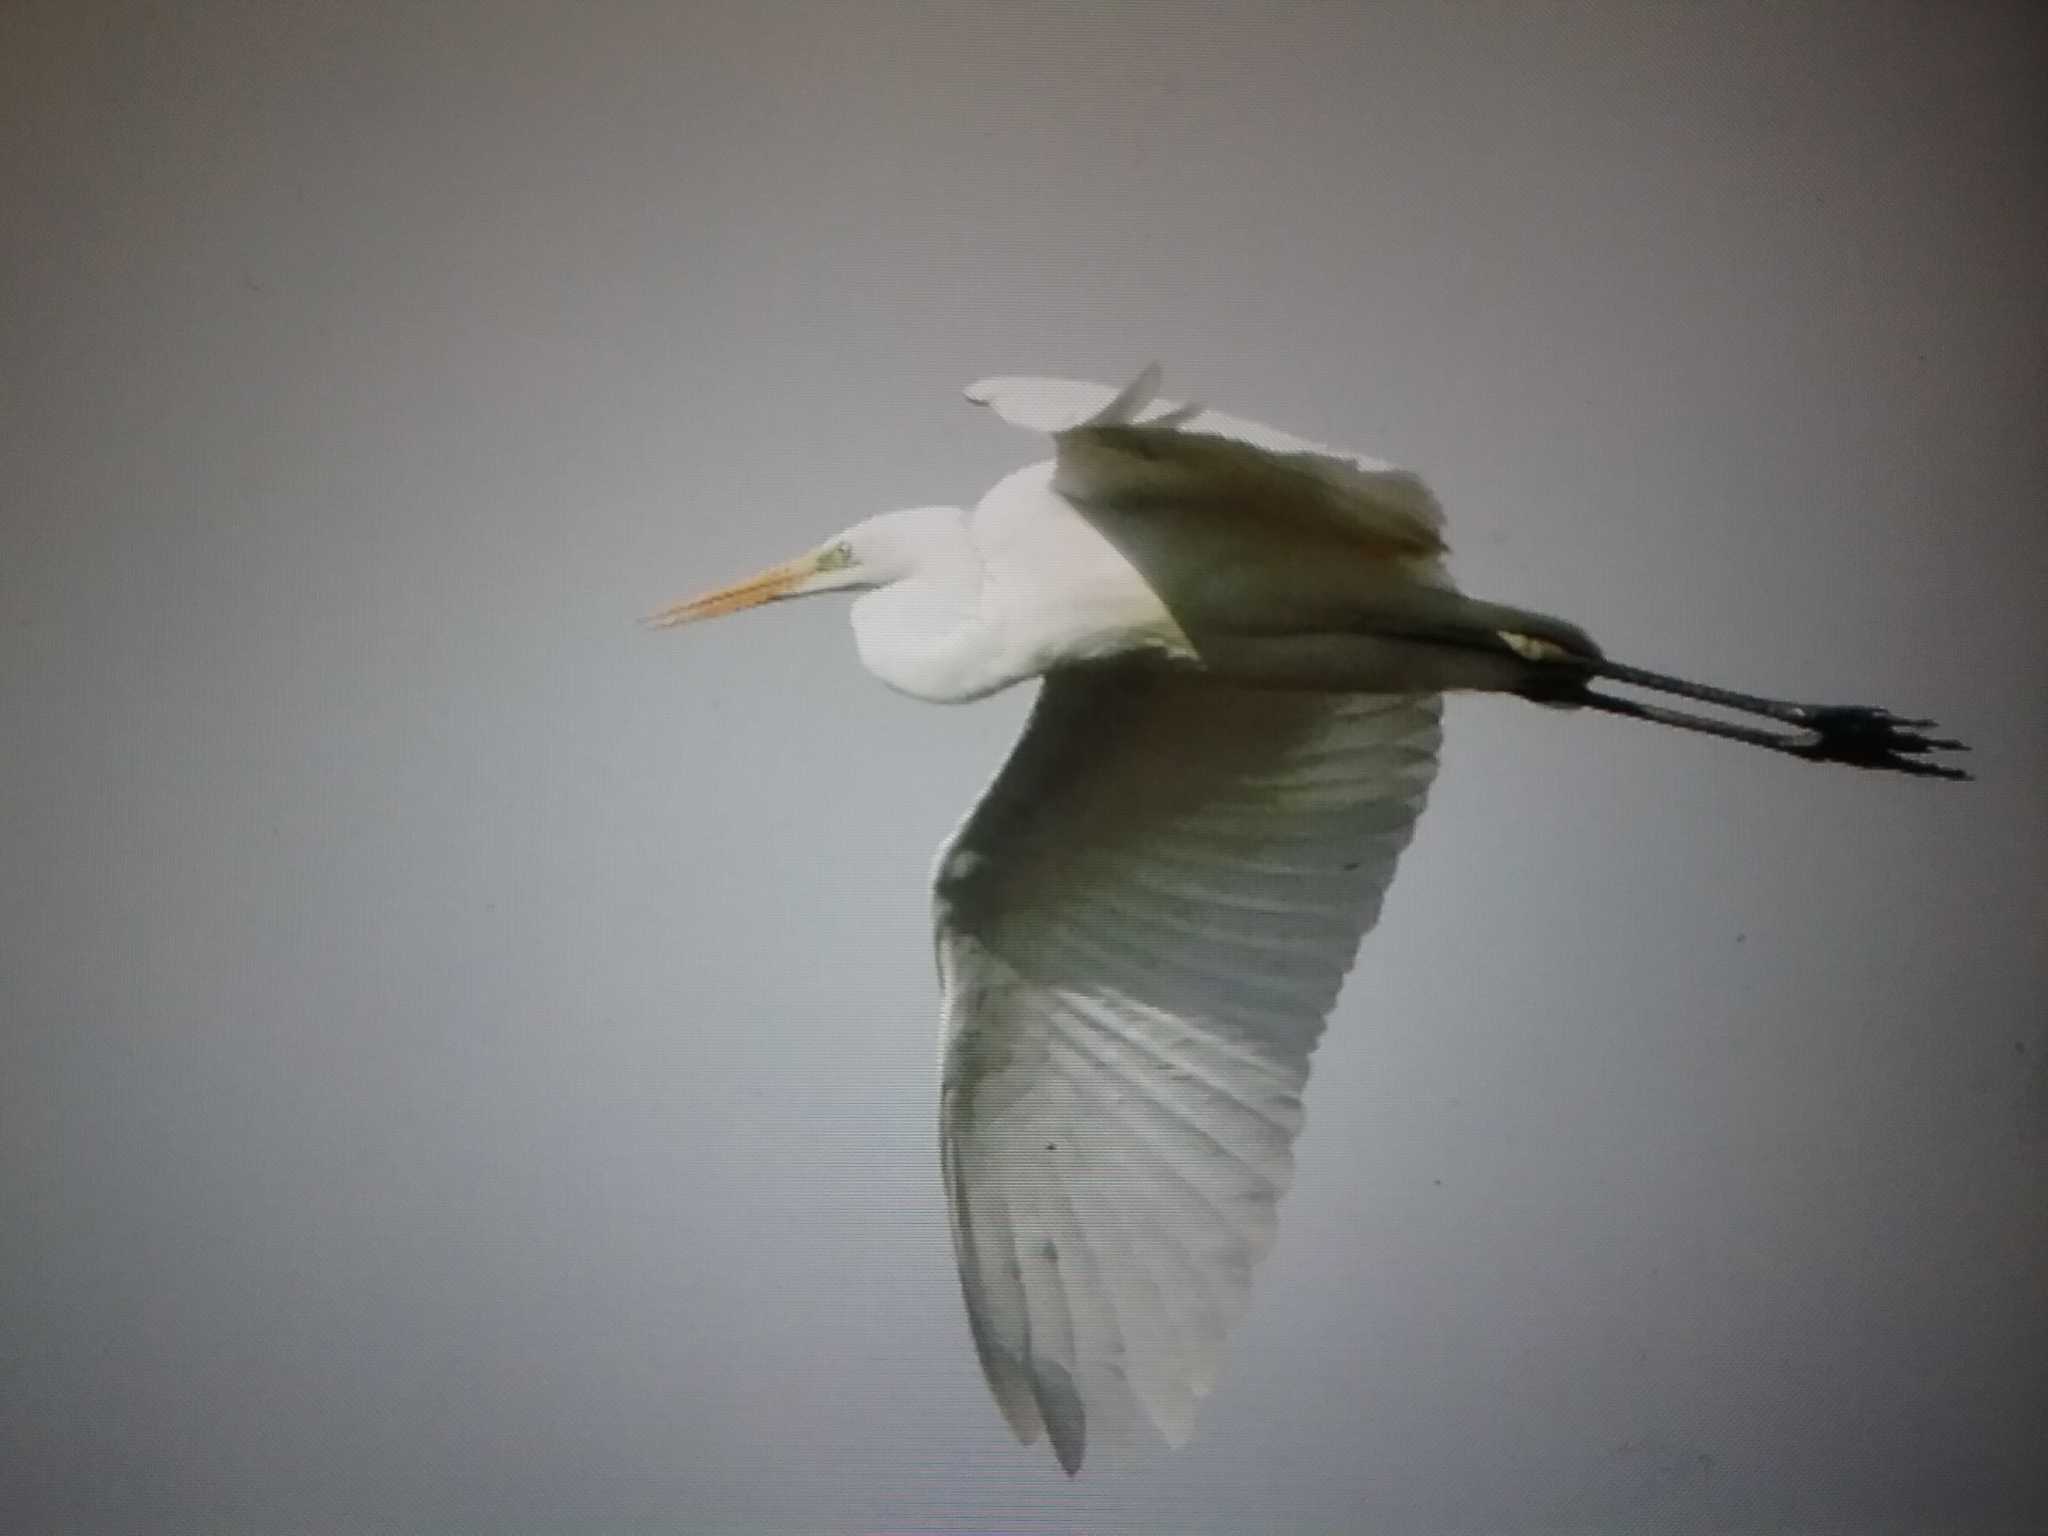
point(1128, 448)
point(1141, 929)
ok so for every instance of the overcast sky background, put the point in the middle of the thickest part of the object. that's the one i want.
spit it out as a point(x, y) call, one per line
point(467, 1063)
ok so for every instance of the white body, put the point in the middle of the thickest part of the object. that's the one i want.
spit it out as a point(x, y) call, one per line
point(1186, 538)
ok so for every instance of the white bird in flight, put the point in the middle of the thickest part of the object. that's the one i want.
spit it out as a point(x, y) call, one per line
point(1244, 638)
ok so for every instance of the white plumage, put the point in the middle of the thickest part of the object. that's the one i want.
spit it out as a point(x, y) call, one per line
point(1143, 925)
point(1141, 929)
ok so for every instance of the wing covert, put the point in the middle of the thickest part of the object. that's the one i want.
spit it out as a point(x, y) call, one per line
point(1141, 929)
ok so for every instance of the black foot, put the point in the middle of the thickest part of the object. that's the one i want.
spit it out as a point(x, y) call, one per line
point(1870, 738)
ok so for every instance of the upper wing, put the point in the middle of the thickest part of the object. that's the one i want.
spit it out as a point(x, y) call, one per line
point(1140, 930)
point(1128, 448)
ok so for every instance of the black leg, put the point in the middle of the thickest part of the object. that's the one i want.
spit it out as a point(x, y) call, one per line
point(1727, 698)
point(1857, 735)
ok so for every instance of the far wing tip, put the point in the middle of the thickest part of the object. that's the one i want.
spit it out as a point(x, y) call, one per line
point(1048, 405)
point(1054, 405)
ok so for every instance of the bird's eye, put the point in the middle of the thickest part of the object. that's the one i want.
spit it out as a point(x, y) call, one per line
point(837, 558)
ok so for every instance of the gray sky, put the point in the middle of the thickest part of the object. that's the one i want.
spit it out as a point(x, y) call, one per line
point(467, 1063)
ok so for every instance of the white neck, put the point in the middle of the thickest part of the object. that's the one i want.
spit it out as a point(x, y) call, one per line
point(931, 634)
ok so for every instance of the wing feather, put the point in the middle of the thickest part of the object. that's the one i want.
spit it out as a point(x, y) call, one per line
point(1130, 449)
point(1140, 931)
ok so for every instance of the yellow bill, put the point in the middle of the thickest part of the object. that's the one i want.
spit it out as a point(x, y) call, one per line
point(784, 580)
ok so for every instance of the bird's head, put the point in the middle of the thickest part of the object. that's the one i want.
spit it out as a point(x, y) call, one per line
point(873, 553)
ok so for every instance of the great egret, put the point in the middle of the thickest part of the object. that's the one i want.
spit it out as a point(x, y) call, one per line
point(1243, 638)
